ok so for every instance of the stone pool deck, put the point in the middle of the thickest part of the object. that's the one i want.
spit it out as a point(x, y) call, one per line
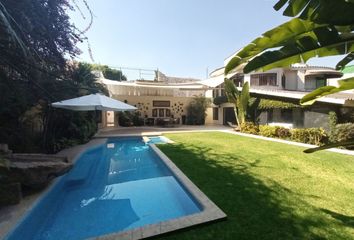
point(151, 131)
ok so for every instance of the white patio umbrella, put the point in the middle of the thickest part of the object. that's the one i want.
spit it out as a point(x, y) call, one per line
point(94, 102)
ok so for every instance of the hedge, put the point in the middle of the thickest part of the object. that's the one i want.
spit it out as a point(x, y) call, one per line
point(315, 136)
point(342, 132)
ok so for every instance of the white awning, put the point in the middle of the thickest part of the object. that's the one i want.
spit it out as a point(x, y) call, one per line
point(94, 102)
point(213, 82)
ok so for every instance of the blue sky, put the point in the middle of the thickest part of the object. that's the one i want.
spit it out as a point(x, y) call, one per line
point(180, 37)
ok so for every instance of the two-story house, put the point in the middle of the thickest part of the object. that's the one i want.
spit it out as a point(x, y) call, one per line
point(279, 91)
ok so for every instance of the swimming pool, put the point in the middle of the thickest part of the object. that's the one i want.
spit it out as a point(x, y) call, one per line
point(117, 186)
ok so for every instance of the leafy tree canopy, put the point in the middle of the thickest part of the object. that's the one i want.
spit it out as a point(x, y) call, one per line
point(36, 39)
point(110, 73)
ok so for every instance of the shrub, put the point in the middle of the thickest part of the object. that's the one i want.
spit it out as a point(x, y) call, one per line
point(314, 136)
point(268, 131)
point(274, 131)
point(249, 127)
point(220, 100)
point(65, 143)
point(127, 119)
point(196, 110)
point(283, 132)
point(342, 132)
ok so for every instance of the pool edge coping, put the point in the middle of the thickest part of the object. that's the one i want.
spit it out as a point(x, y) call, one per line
point(210, 212)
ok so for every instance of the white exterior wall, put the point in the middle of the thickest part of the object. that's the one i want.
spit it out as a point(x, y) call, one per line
point(301, 80)
point(291, 81)
point(247, 78)
point(209, 94)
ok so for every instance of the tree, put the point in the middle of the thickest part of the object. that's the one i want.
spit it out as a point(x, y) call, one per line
point(196, 110)
point(240, 99)
point(110, 73)
point(34, 71)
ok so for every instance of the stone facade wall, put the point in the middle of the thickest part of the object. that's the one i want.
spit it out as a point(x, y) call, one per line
point(178, 105)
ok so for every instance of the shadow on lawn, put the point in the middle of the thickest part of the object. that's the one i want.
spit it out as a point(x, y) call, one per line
point(346, 220)
point(254, 210)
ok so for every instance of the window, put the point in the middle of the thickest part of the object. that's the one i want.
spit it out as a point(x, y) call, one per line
point(161, 112)
point(154, 112)
point(287, 115)
point(310, 84)
point(270, 116)
point(264, 79)
point(320, 82)
point(314, 83)
point(222, 92)
point(168, 112)
point(161, 103)
point(215, 93)
point(238, 80)
point(215, 113)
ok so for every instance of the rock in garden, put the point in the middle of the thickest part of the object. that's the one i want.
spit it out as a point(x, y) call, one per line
point(33, 170)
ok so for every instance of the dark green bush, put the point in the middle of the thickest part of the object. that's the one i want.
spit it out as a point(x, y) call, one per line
point(249, 127)
point(113, 74)
point(127, 119)
point(282, 132)
point(342, 132)
point(65, 143)
point(316, 136)
point(70, 128)
point(220, 100)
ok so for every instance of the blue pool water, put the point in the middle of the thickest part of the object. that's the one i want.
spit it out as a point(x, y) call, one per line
point(118, 186)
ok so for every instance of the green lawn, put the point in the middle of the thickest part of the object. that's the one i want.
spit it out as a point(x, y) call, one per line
point(268, 190)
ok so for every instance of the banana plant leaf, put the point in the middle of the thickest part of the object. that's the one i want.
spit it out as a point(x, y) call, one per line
point(332, 145)
point(347, 59)
point(323, 28)
point(232, 95)
point(231, 90)
point(286, 33)
point(294, 37)
point(243, 101)
point(335, 12)
point(345, 84)
point(323, 42)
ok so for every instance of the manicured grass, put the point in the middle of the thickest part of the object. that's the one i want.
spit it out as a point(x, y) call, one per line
point(268, 190)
